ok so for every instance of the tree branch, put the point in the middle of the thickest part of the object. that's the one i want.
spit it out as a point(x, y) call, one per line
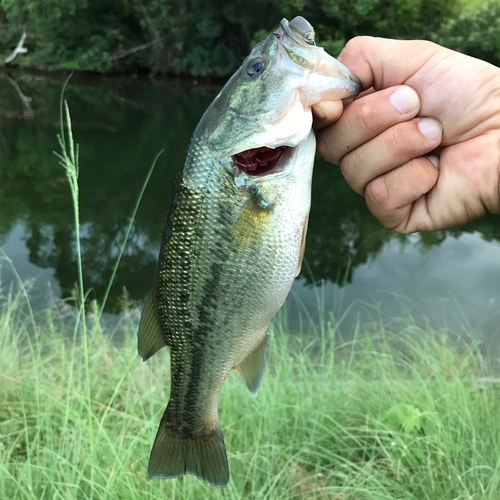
point(20, 49)
point(125, 53)
point(28, 112)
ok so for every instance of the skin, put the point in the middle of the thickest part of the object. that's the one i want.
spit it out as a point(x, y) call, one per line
point(383, 152)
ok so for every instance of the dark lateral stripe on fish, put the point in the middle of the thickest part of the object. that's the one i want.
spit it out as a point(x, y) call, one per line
point(205, 327)
point(182, 327)
point(205, 312)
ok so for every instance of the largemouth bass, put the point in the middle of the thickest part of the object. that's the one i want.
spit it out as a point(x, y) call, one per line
point(234, 240)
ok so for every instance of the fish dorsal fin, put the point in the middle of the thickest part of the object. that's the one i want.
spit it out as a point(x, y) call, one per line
point(150, 339)
point(251, 369)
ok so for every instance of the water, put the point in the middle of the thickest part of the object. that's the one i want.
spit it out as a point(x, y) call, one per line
point(451, 276)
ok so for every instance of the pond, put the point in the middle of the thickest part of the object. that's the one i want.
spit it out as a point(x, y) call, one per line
point(450, 276)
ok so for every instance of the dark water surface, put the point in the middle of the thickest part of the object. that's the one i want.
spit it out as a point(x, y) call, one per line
point(452, 276)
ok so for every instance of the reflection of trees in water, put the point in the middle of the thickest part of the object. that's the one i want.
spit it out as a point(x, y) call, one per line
point(342, 233)
point(489, 227)
point(118, 142)
point(100, 248)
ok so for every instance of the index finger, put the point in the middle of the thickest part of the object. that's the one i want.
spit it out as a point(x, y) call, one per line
point(365, 119)
point(326, 112)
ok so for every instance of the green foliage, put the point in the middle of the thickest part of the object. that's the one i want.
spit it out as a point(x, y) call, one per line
point(397, 413)
point(64, 34)
point(211, 38)
point(339, 20)
point(476, 33)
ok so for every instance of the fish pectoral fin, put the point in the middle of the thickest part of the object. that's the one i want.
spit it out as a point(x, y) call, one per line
point(150, 339)
point(302, 246)
point(251, 369)
point(174, 455)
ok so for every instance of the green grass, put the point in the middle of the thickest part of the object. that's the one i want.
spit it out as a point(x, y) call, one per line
point(400, 412)
point(394, 414)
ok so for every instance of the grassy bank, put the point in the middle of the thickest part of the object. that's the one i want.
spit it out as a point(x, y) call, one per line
point(398, 413)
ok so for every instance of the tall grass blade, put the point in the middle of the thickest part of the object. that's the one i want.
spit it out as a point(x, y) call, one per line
point(127, 233)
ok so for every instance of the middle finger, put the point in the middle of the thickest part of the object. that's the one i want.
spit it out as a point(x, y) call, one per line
point(394, 147)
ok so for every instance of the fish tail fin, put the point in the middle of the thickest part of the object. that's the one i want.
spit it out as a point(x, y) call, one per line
point(174, 455)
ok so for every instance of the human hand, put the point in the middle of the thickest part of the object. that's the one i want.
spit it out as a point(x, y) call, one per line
point(380, 139)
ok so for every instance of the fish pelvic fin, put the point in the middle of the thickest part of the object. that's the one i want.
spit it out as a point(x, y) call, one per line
point(175, 455)
point(302, 246)
point(251, 369)
point(150, 339)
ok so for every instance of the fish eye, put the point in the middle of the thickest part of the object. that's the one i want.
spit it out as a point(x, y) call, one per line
point(256, 66)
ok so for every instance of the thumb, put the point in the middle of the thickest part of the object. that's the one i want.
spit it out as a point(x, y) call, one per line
point(381, 63)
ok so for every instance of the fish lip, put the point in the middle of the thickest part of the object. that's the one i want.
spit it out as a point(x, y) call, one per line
point(326, 79)
point(294, 34)
point(355, 78)
point(228, 152)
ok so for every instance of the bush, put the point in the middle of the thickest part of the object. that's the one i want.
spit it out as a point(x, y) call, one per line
point(475, 33)
point(211, 38)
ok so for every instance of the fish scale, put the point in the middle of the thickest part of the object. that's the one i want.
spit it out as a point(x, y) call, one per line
point(216, 300)
point(233, 244)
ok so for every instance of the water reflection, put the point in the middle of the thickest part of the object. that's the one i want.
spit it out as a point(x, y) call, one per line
point(120, 126)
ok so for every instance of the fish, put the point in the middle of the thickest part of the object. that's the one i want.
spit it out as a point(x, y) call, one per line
point(234, 240)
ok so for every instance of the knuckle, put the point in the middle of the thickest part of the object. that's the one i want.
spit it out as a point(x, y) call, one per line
point(367, 117)
point(377, 194)
point(380, 203)
point(326, 148)
point(352, 170)
point(427, 46)
point(348, 169)
point(403, 227)
point(353, 47)
point(397, 141)
point(345, 170)
point(416, 165)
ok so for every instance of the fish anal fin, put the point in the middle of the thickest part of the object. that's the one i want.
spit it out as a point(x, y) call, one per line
point(174, 455)
point(251, 369)
point(302, 245)
point(150, 339)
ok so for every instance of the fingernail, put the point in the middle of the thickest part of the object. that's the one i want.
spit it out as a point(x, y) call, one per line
point(434, 160)
point(405, 99)
point(430, 128)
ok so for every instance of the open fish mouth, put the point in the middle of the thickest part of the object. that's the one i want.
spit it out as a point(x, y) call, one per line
point(262, 161)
